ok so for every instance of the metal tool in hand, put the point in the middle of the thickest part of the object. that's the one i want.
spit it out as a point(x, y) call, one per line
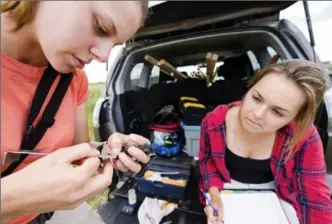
point(13, 156)
point(10, 157)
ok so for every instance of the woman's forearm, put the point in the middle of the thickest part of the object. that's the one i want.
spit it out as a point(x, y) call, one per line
point(11, 205)
point(215, 195)
point(214, 191)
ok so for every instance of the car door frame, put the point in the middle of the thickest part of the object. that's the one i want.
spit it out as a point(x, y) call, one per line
point(301, 45)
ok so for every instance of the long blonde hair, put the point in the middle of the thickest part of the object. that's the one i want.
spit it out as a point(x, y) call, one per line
point(311, 80)
point(22, 12)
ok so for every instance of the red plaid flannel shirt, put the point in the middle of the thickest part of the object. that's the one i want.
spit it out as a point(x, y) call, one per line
point(301, 180)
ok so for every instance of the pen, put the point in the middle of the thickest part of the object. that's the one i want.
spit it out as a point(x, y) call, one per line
point(215, 211)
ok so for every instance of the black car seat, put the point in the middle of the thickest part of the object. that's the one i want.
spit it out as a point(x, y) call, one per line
point(321, 123)
point(192, 88)
point(168, 93)
point(158, 96)
point(235, 70)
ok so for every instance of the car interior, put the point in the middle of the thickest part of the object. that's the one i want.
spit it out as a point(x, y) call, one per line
point(239, 55)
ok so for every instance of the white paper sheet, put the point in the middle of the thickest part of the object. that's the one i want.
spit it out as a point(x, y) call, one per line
point(253, 208)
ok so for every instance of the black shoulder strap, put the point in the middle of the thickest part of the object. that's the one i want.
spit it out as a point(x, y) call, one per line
point(34, 134)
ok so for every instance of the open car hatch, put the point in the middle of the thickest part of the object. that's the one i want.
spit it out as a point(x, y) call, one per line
point(170, 17)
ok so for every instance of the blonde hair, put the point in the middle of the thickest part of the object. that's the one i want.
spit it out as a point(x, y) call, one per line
point(22, 12)
point(310, 78)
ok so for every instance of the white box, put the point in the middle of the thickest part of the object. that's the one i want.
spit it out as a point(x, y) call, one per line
point(192, 135)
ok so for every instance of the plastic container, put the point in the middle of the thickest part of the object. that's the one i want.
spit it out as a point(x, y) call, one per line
point(160, 189)
point(192, 135)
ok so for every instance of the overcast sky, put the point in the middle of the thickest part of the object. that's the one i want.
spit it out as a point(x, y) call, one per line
point(321, 15)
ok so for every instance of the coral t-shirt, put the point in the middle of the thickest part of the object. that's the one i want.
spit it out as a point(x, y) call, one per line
point(18, 84)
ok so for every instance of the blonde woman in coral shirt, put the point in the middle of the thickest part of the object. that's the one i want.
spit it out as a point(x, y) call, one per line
point(66, 35)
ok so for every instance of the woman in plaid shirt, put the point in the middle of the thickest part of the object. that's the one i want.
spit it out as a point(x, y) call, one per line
point(269, 140)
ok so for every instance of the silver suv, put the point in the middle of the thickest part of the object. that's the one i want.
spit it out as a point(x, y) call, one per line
point(245, 36)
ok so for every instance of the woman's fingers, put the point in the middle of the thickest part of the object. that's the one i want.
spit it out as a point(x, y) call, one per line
point(120, 166)
point(88, 168)
point(137, 140)
point(117, 141)
point(96, 184)
point(125, 163)
point(129, 163)
point(75, 153)
point(138, 154)
point(209, 213)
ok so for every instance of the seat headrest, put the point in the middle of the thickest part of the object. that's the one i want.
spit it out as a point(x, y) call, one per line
point(236, 68)
point(221, 70)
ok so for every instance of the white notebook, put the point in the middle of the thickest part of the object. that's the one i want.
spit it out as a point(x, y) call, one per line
point(253, 208)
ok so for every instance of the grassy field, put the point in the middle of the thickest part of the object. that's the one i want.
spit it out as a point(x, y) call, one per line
point(94, 93)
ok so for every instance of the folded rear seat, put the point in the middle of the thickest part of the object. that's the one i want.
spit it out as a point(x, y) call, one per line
point(164, 93)
point(234, 70)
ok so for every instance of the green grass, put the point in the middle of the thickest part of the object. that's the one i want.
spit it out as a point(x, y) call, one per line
point(94, 93)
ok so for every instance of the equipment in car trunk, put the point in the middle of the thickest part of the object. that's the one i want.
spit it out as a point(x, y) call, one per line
point(197, 75)
point(192, 135)
point(166, 139)
point(211, 60)
point(163, 64)
point(165, 67)
point(192, 110)
point(154, 61)
point(131, 206)
point(165, 177)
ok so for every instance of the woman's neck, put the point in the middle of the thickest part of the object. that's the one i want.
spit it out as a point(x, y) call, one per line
point(22, 44)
